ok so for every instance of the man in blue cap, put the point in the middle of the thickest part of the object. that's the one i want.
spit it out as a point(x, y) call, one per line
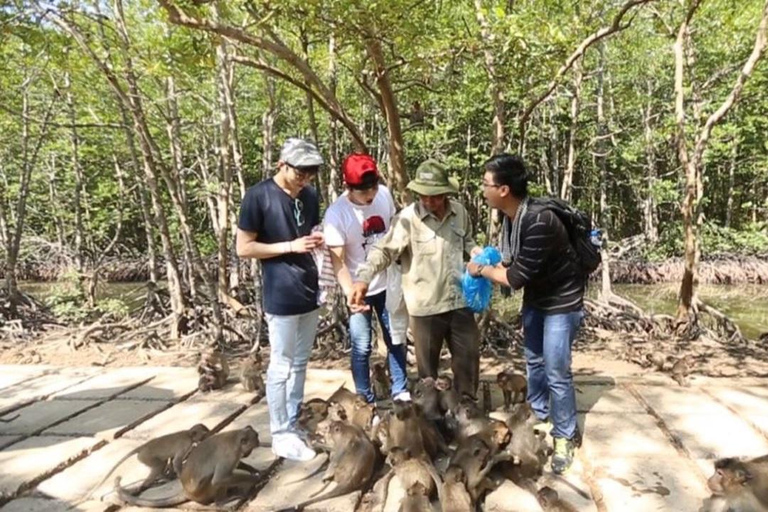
point(275, 226)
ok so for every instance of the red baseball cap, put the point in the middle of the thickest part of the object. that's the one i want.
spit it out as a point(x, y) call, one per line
point(356, 166)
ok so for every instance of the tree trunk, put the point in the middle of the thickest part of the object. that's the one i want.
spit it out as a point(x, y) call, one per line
point(731, 181)
point(566, 192)
point(392, 115)
point(602, 149)
point(29, 161)
point(77, 172)
point(496, 89)
point(334, 178)
point(225, 170)
point(650, 214)
point(53, 196)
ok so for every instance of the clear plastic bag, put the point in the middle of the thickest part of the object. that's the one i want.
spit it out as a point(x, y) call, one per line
point(479, 290)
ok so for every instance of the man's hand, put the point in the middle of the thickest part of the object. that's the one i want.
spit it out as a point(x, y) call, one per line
point(357, 298)
point(474, 269)
point(306, 244)
point(475, 251)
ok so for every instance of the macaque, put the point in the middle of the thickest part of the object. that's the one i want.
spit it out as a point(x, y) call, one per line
point(208, 475)
point(514, 387)
point(250, 374)
point(213, 369)
point(380, 381)
point(156, 453)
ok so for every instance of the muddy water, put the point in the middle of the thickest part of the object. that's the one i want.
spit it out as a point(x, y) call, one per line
point(747, 305)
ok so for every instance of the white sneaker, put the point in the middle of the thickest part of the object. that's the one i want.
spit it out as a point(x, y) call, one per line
point(405, 396)
point(289, 446)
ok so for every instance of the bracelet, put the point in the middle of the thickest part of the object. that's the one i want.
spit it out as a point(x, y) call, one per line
point(480, 270)
point(290, 248)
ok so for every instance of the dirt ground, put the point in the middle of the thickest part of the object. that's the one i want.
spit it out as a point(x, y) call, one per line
point(595, 349)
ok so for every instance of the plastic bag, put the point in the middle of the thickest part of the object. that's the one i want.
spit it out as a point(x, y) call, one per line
point(478, 290)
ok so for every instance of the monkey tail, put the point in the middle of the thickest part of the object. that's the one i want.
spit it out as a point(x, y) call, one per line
point(130, 499)
point(340, 490)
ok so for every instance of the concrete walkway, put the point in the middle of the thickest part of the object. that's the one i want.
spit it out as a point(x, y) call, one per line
point(648, 444)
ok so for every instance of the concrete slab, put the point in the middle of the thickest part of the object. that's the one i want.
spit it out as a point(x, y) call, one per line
point(511, 498)
point(183, 416)
point(8, 440)
point(711, 436)
point(14, 374)
point(109, 420)
point(679, 400)
point(32, 459)
point(571, 488)
point(169, 384)
point(257, 417)
point(649, 483)
point(41, 387)
point(40, 415)
point(628, 435)
point(322, 383)
point(78, 481)
point(602, 399)
point(750, 403)
point(295, 482)
point(108, 384)
point(44, 505)
point(233, 392)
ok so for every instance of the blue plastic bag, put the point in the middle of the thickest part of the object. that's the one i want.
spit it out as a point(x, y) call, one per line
point(478, 290)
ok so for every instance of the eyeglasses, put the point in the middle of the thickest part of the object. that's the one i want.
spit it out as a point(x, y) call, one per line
point(302, 175)
point(490, 185)
point(298, 212)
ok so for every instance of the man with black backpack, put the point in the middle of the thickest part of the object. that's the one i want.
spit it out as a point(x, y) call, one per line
point(542, 252)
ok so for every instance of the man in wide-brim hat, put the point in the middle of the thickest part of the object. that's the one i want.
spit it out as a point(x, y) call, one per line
point(431, 237)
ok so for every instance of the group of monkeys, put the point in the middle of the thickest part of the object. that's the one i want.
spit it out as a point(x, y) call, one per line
point(440, 446)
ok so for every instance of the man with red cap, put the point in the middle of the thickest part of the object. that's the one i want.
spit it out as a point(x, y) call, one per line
point(353, 223)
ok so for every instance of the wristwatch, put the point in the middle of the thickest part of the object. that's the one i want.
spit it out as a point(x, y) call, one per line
point(479, 272)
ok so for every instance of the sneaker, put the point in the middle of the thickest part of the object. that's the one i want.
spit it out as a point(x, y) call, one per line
point(562, 459)
point(290, 446)
point(543, 426)
point(405, 396)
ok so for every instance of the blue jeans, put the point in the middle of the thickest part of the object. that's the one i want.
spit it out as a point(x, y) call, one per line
point(290, 341)
point(360, 333)
point(548, 340)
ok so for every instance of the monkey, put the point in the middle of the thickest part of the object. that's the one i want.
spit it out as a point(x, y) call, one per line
point(474, 458)
point(380, 435)
point(336, 412)
point(550, 501)
point(156, 453)
point(250, 374)
point(454, 496)
point(346, 398)
point(416, 499)
point(657, 360)
point(681, 369)
point(426, 395)
point(411, 470)
point(213, 369)
point(409, 429)
point(352, 463)
point(380, 380)
point(513, 386)
point(470, 419)
point(739, 486)
point(449, 397)
point(528, 448)
point(311, 414)
point(208, 475)
point(363, 414)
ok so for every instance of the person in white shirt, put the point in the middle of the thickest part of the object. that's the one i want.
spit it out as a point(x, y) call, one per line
point(352, 224)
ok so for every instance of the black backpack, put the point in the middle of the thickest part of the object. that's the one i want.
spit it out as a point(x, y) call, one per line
point(579, 228)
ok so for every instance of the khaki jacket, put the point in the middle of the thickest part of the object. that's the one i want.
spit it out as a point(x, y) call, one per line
point(431, 253)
